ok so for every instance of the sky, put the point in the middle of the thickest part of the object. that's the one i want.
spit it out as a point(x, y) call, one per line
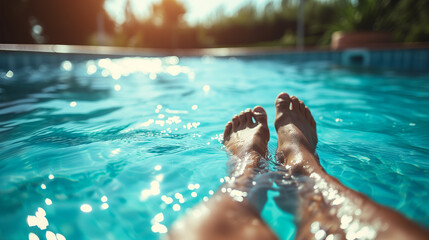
point(197, 10)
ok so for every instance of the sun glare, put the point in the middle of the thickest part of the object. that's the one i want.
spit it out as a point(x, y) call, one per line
point(197, 10)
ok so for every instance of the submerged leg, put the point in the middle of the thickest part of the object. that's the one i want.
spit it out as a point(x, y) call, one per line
point(326, 208)
point(229, 214)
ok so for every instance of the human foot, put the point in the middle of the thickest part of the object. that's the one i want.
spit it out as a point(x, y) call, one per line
point(244, 136)
point(233, 211)
point(296, 130)
point(324, 204)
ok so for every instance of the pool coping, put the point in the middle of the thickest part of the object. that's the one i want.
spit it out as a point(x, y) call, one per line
point(227, 51)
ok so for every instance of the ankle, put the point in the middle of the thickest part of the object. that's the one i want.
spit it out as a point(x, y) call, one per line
point(244, 163)
point(240, 179)
point(300, 159)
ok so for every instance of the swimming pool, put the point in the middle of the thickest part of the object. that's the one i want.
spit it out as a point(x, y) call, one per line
point(120, 148)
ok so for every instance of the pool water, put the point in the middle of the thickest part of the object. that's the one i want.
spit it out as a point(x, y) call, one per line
point(120, 148)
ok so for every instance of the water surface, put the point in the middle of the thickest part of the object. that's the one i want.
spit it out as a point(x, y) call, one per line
point(119, 149)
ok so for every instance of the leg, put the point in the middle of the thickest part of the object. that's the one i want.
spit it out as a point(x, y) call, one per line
point(229, 214)
point(326, 208)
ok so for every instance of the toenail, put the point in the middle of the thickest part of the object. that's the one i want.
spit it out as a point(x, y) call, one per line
point(283, 94)
point(259, 110)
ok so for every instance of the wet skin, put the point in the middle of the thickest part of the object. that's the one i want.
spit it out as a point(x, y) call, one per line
point(325, 208)
point(229, 214)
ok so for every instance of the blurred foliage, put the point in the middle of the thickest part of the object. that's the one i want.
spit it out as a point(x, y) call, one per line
point(169, 11)
point(52, 21)
point(80, 22)
point(406, 20)
point(365, 15)
point(164, 28)
point(411, 21)
point(276, 23)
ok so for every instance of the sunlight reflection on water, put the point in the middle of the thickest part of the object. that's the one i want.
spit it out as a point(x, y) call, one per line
point(137, 141)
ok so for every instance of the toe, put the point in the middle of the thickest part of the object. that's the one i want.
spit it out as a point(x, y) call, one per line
point(283, 99)
point(248, 114)
point(295, 103)
point(242, 119)
point(260, 115)
point(235, 123)
point(227, 132)
point(301, 106)
point(309, 116)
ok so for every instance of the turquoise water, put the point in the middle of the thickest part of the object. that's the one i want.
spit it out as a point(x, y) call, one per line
point(119, 149)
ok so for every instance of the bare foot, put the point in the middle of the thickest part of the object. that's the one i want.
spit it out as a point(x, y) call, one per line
point(229, 214)
point(244, 136)
point(326, 208)
point(246, 139)
point(296, 130)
